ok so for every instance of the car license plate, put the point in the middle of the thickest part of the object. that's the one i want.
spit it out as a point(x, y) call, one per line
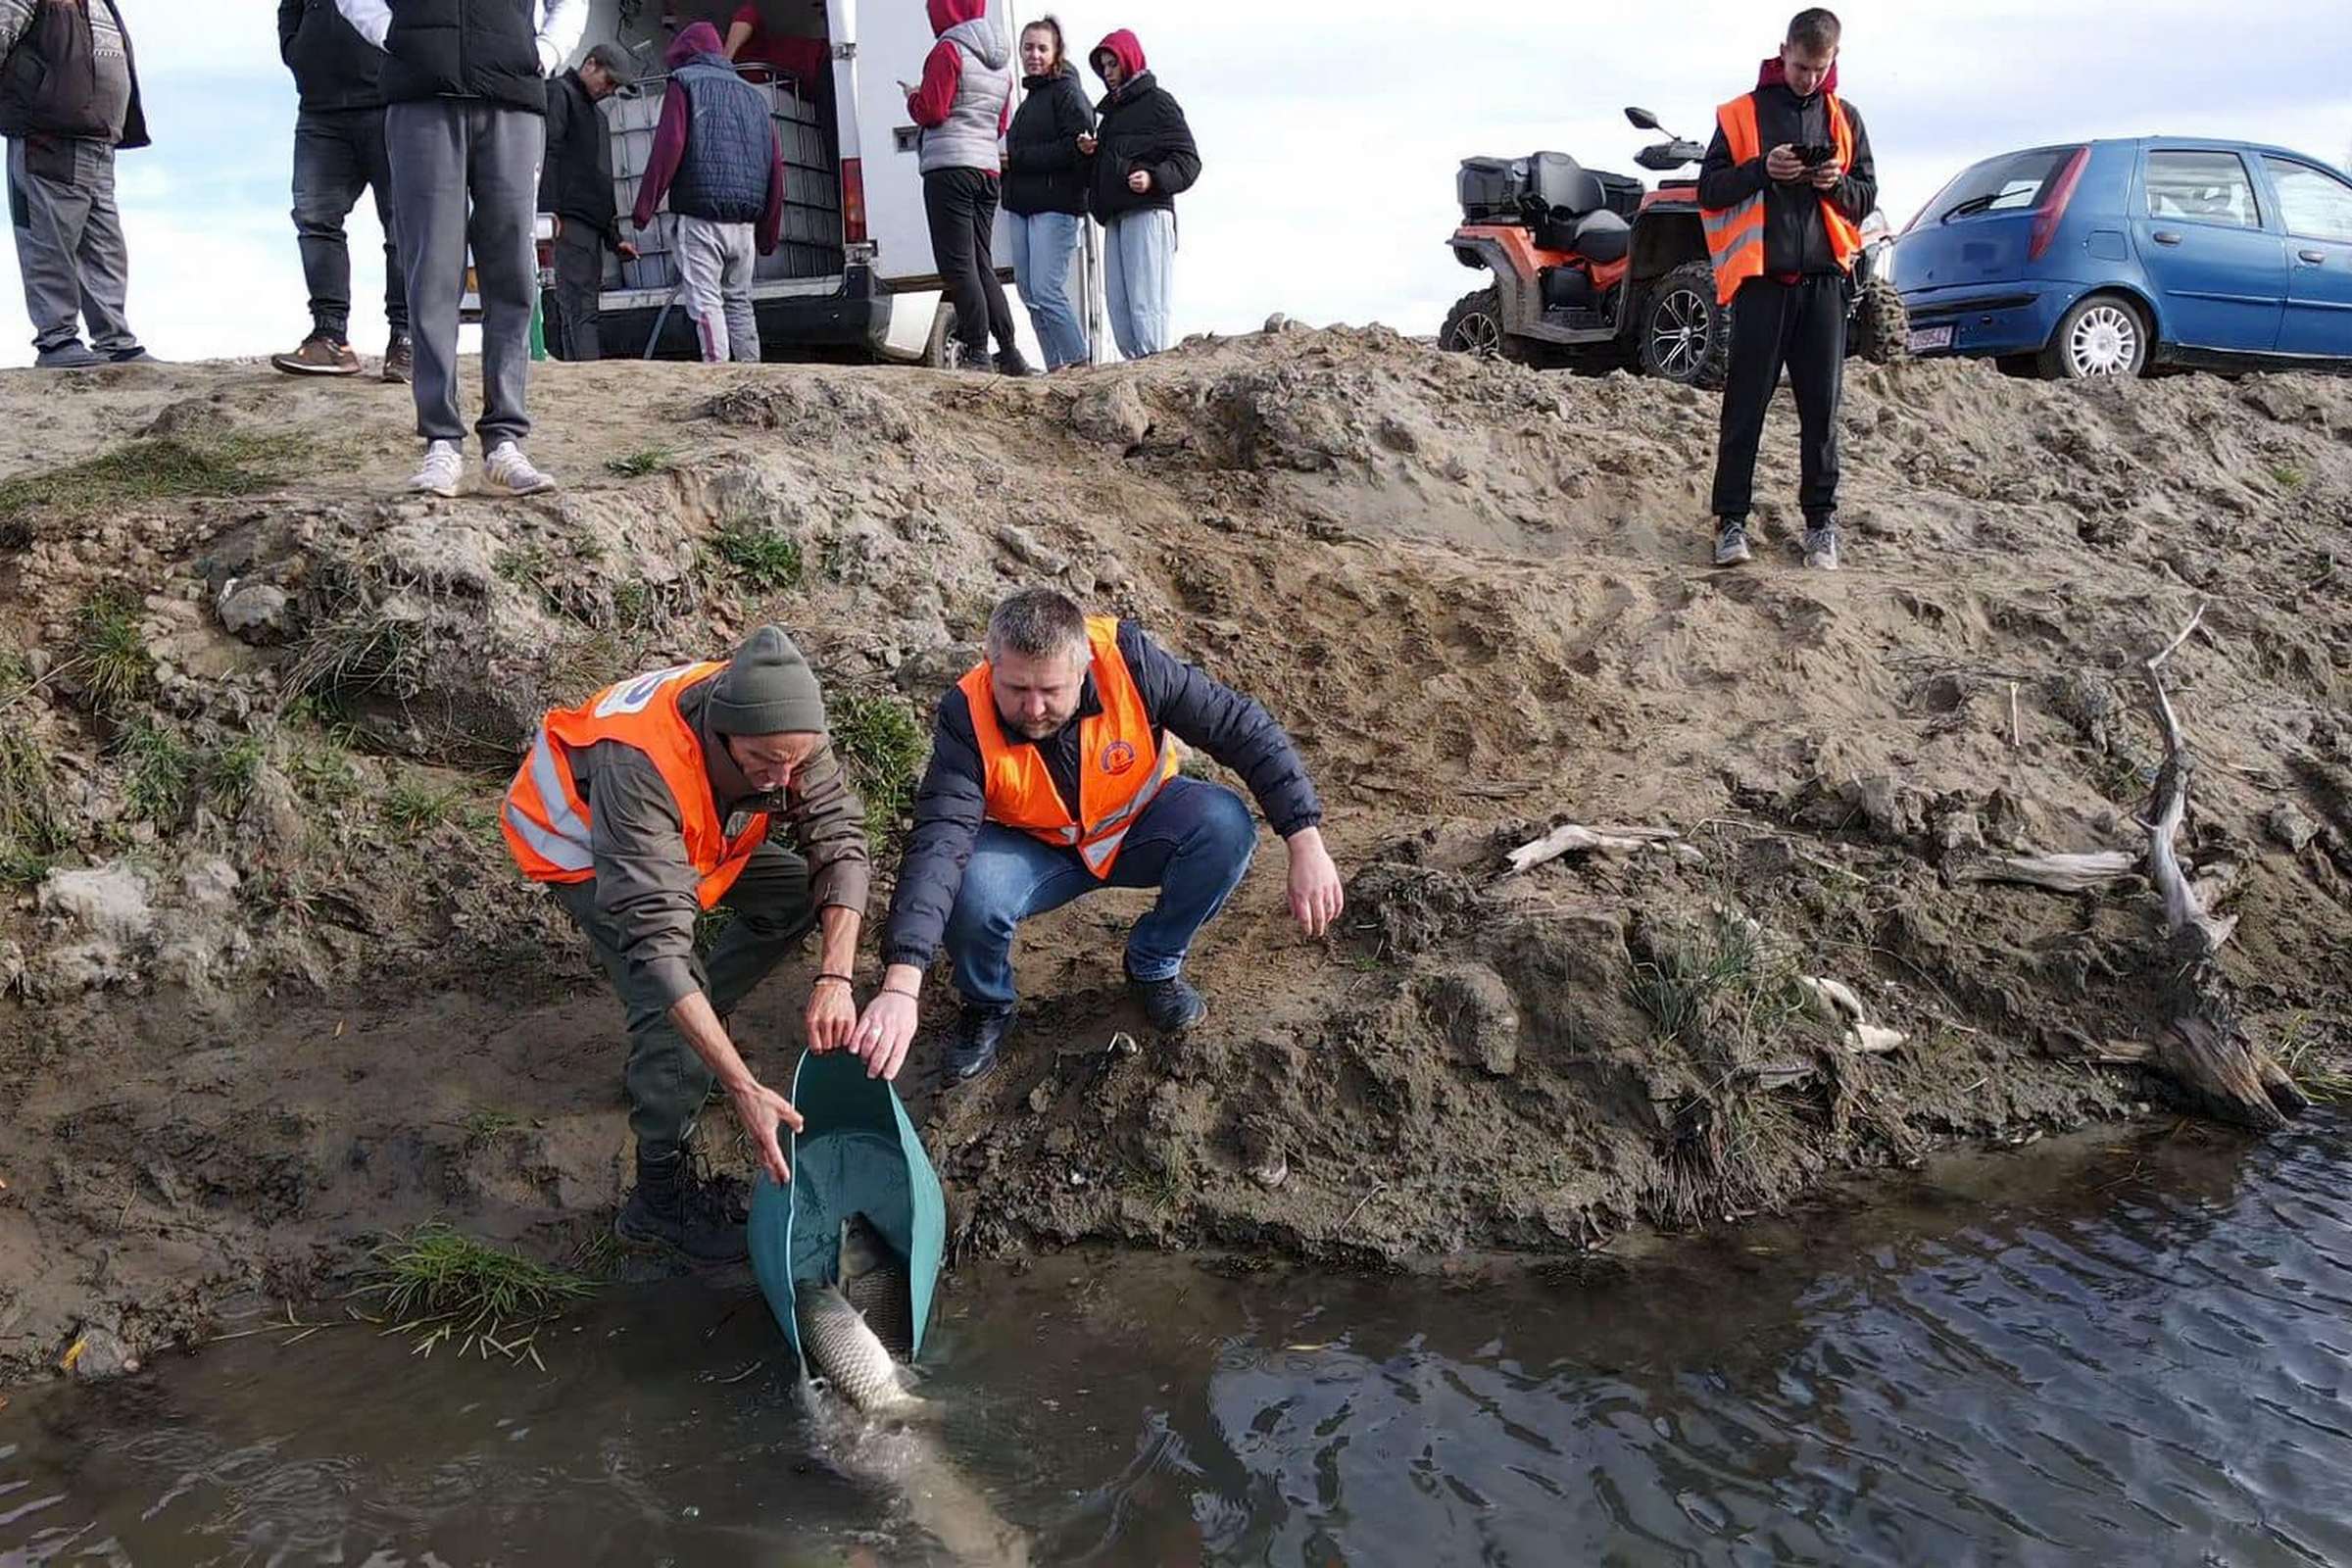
point(1931, 337)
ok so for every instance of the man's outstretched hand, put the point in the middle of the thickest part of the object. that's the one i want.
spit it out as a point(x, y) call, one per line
point(762, 1111)
point(1316, 897)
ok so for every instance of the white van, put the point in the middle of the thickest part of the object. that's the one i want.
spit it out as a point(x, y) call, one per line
point(854, 269)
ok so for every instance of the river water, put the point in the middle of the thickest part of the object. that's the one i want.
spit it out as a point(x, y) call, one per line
point(2128, 1349)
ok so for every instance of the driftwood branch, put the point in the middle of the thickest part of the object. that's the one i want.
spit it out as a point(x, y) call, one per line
point(1571, 837)
point(2060, 873)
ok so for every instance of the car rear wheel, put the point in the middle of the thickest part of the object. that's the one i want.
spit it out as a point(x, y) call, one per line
point(1685, 335)
point(2104, 335)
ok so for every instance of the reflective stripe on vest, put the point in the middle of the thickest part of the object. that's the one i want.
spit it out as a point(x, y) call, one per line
point(1122, 768)
point(546, 821)
point(1735, 234)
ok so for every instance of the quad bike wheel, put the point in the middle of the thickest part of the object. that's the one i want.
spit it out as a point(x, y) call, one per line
point(1473, 327)
point(1684, 334)
point(1880, 331)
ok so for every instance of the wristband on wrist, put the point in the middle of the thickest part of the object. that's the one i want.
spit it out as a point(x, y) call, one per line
point(901, 991)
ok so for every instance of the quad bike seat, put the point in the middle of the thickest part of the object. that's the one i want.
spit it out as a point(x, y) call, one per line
point(1602, 237)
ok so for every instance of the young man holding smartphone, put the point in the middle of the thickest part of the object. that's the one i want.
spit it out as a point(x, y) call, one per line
point(1785, 186)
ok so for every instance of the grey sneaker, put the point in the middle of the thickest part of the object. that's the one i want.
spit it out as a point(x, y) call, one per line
point(438, 474)
point(70, 356)
point(507, 471)
point(1731, 543)
point(1821, 547)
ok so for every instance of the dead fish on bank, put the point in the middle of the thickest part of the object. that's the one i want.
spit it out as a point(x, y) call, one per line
point(842, 1325)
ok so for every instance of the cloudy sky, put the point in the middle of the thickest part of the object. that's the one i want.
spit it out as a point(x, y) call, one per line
point(1330, 131)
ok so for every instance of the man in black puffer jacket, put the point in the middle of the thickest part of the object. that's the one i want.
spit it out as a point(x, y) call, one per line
point(576, 185)
point(1141, 159)
point(1045, 191)
point(338, 153)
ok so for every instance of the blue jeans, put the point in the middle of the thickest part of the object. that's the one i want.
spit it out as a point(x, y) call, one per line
point(1043, 246)
point(1139, 261)
point(1193, 843)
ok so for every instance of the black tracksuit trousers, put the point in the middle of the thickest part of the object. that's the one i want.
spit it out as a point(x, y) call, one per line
point(961, 205)
point(1802, 326)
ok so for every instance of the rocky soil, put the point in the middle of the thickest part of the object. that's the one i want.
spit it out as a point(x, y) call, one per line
point(272, 986)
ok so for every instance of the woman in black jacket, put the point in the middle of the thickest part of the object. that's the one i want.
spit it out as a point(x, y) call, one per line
point(1045, 191)
point(1141, 159)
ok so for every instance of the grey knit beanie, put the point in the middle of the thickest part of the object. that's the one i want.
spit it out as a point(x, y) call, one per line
point(767, 689)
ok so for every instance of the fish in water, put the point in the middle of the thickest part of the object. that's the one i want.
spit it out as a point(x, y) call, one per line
point(840, 1344)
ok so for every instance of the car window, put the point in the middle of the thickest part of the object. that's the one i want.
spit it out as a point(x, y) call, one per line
point(2202, 187)
point(2010, 183)
point(2315, 204)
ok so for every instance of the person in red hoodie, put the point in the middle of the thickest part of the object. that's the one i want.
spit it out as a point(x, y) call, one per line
point(715, 155)
point(963, 105)
point(1141, 157)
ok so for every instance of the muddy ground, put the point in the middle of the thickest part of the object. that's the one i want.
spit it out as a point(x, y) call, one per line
point(273, 987)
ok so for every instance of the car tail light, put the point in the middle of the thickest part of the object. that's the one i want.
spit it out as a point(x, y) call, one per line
point(852, 201)
point(2053, 204)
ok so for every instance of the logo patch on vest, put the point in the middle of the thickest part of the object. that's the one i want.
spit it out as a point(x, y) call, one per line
point(1117, 758)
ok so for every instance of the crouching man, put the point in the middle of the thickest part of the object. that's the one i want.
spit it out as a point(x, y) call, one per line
point(1051, 777)
point(650, 804)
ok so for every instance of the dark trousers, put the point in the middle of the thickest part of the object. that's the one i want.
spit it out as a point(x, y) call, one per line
point(579, 291)
point(1800, 326)
point(962, 204)
point(666, 1082)
point(338, 154)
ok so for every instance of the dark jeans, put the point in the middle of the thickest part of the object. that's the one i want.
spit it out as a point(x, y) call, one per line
point(1193, 843)
point(337, 154)
point(579, 291)
point(666, 1082)
point(1801, 326)
point(961, 205)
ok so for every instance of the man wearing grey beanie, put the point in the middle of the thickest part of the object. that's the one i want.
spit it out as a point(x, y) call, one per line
point(645, 806)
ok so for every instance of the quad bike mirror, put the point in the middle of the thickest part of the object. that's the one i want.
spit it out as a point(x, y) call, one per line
point(1642, 119)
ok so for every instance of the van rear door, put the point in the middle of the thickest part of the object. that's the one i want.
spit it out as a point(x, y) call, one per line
point(893, 38)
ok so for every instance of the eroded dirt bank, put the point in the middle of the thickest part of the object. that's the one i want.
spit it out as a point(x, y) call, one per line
point(274, 988)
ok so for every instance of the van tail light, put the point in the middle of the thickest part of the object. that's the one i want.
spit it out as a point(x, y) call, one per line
point(853, 200)
point(2053, 204)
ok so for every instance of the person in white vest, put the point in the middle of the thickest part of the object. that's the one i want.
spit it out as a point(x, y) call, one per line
point(963, 105)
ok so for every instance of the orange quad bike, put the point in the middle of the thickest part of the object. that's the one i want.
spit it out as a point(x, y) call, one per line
point(1591, 270)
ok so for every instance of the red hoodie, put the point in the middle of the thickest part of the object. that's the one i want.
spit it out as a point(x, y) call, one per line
point(670, 141)
point(1775, 73)
point(942, 68)
point(1124, 47)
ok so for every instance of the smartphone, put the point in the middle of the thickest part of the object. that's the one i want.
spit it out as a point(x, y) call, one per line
point(1815, 155)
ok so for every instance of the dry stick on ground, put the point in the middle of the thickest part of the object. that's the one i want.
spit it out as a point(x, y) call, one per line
point(1569, 838)
point(2060, 873)
point(2201, 1048)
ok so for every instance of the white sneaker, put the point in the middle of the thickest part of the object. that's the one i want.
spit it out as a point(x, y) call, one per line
point(508, 471)
point(441, 471)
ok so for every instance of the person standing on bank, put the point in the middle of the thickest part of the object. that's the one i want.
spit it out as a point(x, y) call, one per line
point(964, 105)
point(715, 155)
point(1051, 775)
point(69, 102)
point(338, 153)
point(1782, 192)
point(576, 185)
point(644, 808)
point(465, 128)
point(1139, 160)
point(1045, 190)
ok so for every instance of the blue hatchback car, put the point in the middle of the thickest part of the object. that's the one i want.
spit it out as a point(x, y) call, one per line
point(2105, 258)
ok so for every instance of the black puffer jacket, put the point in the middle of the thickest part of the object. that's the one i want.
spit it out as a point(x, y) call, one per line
point(575, 178)
point(1235, 730)
point(485, 49)
point(1043, 170)
point(334, 67)
point(1141, 127)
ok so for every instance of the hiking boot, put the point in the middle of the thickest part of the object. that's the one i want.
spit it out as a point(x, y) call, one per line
point(320, 355)
point(1010, 363)
point(1731, 543)
point(134, 355)
point(442, 468)
point(70, 356)
point(507, 471)
point(1171, 1005)
point(671, 1211)
point(979, 1037)
point(400, 361)
point(1821, 545)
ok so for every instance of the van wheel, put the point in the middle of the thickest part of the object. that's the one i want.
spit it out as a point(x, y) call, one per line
point(1683, 335)
point(1473, 327)
point(945, 350)
point(2103, 335)
point(1880, 331)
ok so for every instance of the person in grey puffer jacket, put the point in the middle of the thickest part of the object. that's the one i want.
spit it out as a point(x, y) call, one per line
point(964, 103)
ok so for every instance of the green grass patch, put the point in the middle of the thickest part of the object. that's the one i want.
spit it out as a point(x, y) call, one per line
point(110, 653)
point(159, 469)
point(232, 772)
point(159, 772)
point(708, 924)
point(1721, 982)
point(520, 565)
point(2289, 477)
point(414, 807)
point(641, 463)
point(32, 820)
point(440, 1286)
point(323, 771)
point(764, 561)
point(488, 1126)
point(882, 743)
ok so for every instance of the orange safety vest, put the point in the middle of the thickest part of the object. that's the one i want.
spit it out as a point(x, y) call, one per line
point(1735, 234)
point(546, 820)
point(1121, 764)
